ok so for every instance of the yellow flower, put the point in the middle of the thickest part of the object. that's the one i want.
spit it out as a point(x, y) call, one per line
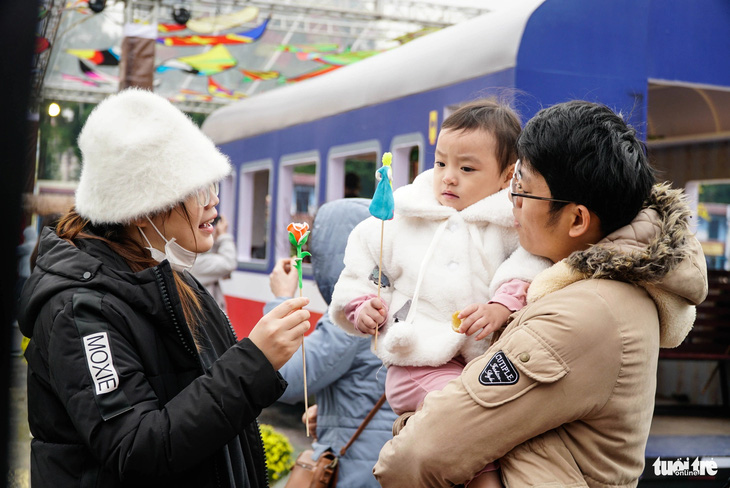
point(278, 452)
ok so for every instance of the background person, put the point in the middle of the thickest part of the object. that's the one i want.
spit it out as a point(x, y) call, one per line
point(352, 185)
point(217, 264)
point(565, 395)
point(134, 376)
point(344, 375)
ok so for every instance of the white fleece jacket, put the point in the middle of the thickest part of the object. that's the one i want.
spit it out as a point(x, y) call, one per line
point(474, 251)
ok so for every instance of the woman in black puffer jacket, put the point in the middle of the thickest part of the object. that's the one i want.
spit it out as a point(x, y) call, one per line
point(135, 376)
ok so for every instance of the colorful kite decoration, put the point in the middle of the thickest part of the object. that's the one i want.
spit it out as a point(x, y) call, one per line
point(212, 62)
point(95, 75)
point(186, 95)
point(250, 75)
point(77, 4)
point(107, 57)
point(78, 79)
point(298, 235)
point(245, 37)
point(170, 27)
point(218, 91)
point(312, 74)
point(416, 34)
point(339, 59)
point(382, 207)
point(217, 23)
point(309, 48)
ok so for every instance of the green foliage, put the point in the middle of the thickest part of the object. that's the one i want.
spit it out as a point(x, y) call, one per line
point(59, 155)
point(197, 118)
point(60, 158)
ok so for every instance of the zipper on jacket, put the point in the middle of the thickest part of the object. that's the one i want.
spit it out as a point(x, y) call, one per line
point(168, 306)
point(263, 453)
point(230, 326)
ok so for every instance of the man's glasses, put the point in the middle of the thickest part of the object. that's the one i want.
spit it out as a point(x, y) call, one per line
point(204, 194)
point(517, 196)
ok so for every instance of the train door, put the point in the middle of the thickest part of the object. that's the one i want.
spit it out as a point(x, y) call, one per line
point(351, 169)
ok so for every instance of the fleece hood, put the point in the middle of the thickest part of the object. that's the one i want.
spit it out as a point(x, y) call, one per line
point(331, 228)
point(656, 251)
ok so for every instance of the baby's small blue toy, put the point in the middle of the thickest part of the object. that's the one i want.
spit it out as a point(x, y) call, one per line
point(382, 206)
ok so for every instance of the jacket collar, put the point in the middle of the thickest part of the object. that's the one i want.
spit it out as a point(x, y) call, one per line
point(61, 266)
point(656, 251)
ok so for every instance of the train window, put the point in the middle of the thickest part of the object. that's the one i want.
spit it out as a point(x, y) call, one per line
point(710, 201)
point(407, 158)
point(254, 218)
point(414, 163)
point(351, 170)
point(297, 196)
point(360, 175)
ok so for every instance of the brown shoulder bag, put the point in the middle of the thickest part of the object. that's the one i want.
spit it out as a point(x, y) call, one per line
point(322, 473)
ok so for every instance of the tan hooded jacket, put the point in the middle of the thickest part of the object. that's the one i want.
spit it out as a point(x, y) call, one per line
point(565, 396)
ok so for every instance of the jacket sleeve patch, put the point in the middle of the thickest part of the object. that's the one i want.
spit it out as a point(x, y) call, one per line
point(93, 330)
point(499, 371)
point(100, 362)
point(522, 361)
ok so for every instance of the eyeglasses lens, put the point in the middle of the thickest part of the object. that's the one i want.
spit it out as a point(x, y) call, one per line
point(204, 194)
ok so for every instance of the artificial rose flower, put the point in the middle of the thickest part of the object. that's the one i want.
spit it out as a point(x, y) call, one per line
point(299, 231)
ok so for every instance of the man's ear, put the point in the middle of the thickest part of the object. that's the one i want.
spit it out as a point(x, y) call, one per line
point(582, 222)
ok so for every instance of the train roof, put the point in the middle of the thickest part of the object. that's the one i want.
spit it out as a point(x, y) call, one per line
point(477, 47)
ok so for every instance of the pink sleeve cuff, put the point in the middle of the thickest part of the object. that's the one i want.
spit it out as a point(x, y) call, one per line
point(352, 309)
point(512, 294)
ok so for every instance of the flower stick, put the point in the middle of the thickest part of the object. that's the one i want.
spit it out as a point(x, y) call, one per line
point(298, 235)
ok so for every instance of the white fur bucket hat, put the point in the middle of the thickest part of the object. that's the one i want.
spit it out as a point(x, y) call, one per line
point(141, 156)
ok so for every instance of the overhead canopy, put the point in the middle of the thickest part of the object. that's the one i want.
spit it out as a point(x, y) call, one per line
point(474, 48)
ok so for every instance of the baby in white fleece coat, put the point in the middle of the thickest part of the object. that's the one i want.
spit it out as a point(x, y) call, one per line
point(451, 247)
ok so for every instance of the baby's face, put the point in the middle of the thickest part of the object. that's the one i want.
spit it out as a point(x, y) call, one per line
point(466, 169)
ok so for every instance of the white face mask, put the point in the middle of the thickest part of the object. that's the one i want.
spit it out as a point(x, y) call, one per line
point(180, 259)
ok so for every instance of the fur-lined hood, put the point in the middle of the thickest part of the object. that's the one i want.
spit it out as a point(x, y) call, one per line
point(656, 251)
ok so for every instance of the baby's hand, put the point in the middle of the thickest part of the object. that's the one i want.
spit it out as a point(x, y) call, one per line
point(485, 316)
point(371, 316)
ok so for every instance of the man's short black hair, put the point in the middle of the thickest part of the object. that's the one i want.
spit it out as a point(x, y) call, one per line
point(589, 155)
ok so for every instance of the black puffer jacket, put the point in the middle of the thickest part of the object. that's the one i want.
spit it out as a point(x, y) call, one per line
point(117, 392)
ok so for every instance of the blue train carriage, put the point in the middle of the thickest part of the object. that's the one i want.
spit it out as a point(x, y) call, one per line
point(654, 60)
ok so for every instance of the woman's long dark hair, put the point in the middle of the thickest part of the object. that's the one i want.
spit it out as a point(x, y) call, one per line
point(72, 226)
